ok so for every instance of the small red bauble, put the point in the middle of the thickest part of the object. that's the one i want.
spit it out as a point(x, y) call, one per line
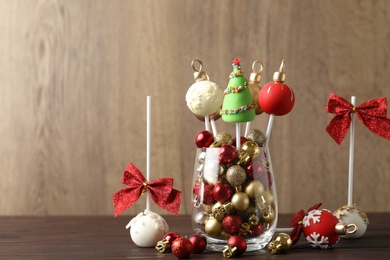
point(204, 139)
point(238, 245)
point(319, 228)
point(232, 223)
point(181, 247)
point(208, 196)
point(199, 243)
point(227, 153)
point(222, 192)
point(256, 230)
point(276, 98)
point(170, 237)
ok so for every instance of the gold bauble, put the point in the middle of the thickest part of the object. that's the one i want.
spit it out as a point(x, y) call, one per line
point(280, 243)
point(236, 175)
point(213, 227)
point(268, 197)
point(269, 214)
point(254, 189)
point(240, 201)
point(222, 138)
point(251, 148)
point(257, 136)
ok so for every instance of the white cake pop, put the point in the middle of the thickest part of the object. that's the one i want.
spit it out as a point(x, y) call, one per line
point(204, 98)
point(351, 214)
point(147, 228)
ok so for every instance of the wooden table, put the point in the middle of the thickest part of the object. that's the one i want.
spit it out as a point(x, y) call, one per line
point(105, 237)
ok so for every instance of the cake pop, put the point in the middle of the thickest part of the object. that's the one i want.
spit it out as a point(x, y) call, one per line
point(204, 98)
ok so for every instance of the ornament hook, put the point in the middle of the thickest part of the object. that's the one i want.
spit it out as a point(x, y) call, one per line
point(200, 65)
point(254, 65)
point(199, 75)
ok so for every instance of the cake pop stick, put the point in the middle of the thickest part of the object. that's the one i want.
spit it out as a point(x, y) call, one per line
point(238, 136)
point(204, 97)
point(148, 120)
point(276, 98)
point(269, 129)
point(351, 153)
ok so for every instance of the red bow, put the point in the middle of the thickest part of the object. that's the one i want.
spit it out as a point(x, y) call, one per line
point(160, 191)
point(296, 223)
point(371, 113)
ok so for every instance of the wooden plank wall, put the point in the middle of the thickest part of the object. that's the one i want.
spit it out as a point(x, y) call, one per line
point(74, 76)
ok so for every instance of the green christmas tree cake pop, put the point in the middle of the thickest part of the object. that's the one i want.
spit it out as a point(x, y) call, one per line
point(237, 104)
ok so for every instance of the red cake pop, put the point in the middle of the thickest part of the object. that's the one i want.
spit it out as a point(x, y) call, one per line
point(276, 97)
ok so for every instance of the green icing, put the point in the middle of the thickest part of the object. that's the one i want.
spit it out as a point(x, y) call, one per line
point(237, 105)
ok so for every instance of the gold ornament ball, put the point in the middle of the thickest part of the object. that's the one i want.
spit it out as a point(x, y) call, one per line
point(222, 138)
point(240, 201)
point(257, 136)
point(254, 189)
point(251, 148)
point(269, 214)
point(213, 227)
point(236, 175)
point(280, 243)
point(268, 197)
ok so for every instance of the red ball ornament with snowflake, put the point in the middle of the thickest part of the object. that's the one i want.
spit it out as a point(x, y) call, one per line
point(319, 228)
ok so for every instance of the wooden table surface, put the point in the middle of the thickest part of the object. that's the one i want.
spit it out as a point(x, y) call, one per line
point(105, 237)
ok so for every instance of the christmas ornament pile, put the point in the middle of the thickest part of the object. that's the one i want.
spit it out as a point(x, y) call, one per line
point(234, 198)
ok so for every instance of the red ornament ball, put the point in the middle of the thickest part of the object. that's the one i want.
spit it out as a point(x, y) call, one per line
point(208, 194)
point(199, 243)
point(227, 153)
point(276, 98)
point(256, 230)
point(181, 247)
point(204, 139)
point(238, 245)
point(170, 237)
point(222, 192)
point(232, 223)
point(319, 228)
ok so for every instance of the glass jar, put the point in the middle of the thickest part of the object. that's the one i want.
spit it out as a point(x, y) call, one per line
point(234, 193)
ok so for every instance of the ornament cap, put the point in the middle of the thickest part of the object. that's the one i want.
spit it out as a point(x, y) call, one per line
point(255, 76)
point(280, 76)
point(345, 229)
point(199, 74)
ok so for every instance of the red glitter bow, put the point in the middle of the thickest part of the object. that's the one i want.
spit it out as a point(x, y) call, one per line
point(160, 191)
point(371, 113)
point(296, 223)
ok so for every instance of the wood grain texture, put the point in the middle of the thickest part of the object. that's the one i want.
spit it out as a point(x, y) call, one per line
point(74, 76)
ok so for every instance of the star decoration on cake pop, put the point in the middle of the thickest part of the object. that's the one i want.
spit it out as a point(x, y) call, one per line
point(236, 62)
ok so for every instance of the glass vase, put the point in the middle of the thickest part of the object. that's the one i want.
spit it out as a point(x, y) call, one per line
point(234, 193)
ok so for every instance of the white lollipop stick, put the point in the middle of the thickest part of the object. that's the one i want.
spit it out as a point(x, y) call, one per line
point(148, 106)
point(238, 136)
point(269, 129)
point(213, 127)
point(351, 152)
point(247, 128)
point(207, 123)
